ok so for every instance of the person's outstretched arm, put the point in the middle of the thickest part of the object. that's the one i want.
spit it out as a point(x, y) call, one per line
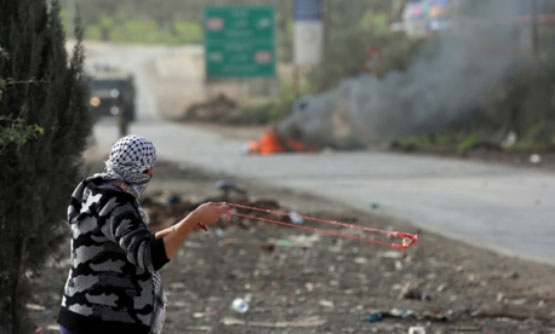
point(173, 237)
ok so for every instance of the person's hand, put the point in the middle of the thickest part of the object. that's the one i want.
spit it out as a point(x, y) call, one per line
point(208, 213)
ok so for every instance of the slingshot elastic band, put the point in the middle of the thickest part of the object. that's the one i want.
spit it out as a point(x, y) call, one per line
point(408, 239)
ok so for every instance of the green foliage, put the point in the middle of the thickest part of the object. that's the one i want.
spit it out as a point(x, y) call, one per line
point(146, 31)
point(189, 31)
point(258, 114)
point(287, 94)
point(346, 53)
point(525, 104)
point(375, 22)
point(44, 123)
point(15, 132)
point(429, 142)
point(530, 146)
point(522, 104)
point(106, 21)
point(470, 142)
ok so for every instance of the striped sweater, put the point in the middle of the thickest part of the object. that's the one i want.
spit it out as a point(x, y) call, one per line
point(114, 259)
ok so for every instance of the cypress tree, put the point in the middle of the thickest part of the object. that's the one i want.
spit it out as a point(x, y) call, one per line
point(44, 124)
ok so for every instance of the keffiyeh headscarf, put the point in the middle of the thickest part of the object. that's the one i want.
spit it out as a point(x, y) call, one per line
point(130, 157)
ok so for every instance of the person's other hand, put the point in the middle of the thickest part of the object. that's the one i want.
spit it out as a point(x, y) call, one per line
point(209, 212)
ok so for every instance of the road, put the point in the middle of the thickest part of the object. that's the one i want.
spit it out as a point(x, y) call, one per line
point(501, 208)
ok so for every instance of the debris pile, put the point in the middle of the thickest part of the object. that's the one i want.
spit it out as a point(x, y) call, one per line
point(220, 109)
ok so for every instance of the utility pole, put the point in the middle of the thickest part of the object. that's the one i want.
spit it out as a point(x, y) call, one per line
point(71, 9)
point(534, 22)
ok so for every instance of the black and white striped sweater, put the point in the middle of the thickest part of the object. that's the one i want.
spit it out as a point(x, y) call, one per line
point(113, 258)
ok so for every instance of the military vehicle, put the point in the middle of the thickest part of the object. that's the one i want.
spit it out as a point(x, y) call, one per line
point(112, 93)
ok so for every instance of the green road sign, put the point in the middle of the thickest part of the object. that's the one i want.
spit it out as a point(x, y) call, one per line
point(239, 41)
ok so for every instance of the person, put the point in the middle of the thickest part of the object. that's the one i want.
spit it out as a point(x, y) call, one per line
point(124, 118)
point(113, 284)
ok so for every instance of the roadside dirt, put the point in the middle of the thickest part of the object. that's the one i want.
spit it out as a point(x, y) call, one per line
point(297, 281)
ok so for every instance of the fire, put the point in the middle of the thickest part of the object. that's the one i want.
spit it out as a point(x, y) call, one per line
point(271, 142)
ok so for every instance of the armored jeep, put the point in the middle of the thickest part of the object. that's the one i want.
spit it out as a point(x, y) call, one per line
point(112, 93)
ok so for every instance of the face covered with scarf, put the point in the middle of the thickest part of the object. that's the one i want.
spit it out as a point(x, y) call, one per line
point(130, 160)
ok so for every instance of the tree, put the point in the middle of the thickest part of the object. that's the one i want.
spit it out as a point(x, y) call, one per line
point(44, 124)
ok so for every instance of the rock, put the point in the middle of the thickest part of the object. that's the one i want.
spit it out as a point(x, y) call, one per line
point(179, 303)
point(520, 301)
point(417, 330)
point(374, 317)
point(200, 315)
point(193, 244)
point(535, 159)
point(326, 303)
point(411, 293)
point(511, 275)
point(392, 254)
point(312, 321)
point(34, 307)
point(335, 249)
point(401, 313)
point(177, 286)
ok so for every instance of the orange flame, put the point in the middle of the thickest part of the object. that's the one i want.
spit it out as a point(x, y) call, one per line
point(271, 143)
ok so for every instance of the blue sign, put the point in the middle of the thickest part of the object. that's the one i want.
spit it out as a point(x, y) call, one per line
point(308, 10)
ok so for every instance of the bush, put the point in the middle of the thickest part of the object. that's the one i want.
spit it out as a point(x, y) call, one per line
point(524, 104)
point(347, 50)
point(44, 124)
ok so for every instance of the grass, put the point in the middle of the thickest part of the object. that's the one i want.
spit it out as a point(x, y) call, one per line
point(258, 114)
point(426, 142)
point(147, 32)
point(454, 143)
point(529, 146)
point(470, 142)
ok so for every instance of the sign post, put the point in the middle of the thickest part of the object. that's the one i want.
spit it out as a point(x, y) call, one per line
point(239, 41)
point(309, 32)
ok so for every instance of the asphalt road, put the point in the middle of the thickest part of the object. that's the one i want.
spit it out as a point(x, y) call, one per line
point(504, 209)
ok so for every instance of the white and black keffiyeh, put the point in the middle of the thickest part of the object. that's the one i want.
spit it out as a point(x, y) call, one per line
point(130, 157)
point(159, 313)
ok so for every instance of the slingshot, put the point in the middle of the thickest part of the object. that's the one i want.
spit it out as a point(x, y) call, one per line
point(407, 239)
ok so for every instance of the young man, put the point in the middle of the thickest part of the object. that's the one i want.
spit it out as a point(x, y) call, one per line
point(113, 284)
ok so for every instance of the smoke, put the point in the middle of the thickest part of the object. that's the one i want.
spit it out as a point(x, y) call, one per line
point(447, 80)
